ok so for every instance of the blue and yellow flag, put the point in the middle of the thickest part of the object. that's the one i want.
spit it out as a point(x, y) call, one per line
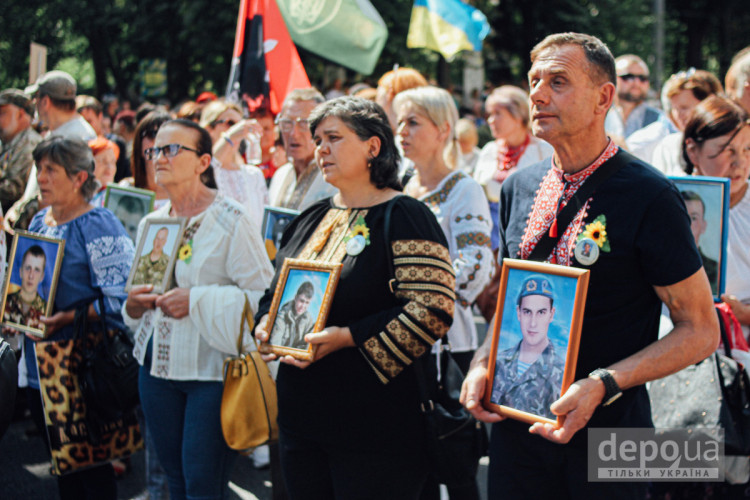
point(446, 26)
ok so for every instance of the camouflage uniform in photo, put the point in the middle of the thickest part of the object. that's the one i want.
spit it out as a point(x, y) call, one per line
point(15, 314)
point(151, 273)
point(532, 391)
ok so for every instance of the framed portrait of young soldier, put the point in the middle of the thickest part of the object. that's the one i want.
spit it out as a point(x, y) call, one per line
point(156, 253)
point(129, 205)
point(300, 306)
point(707, 204)
point(535, 339)
point(31, 281)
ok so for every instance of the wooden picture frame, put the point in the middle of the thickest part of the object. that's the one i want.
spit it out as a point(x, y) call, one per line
point(44, 259)
point(707, 202)
point(146, 271)
point(539, 316)
point(275, 221)
point(299, 280)
point(130, 205)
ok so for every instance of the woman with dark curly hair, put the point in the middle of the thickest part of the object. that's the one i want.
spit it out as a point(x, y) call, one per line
point(350, 425)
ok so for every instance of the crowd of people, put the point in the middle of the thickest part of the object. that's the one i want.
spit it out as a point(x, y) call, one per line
point(394, 184)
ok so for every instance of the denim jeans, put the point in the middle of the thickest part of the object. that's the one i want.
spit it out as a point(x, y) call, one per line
point(183, 418)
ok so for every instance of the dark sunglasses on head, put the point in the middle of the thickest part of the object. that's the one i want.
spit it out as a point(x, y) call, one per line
point(169, 151)
point(629, 76)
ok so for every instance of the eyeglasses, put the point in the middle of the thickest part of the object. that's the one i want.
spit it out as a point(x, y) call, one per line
point(169, 151)
point(230, 123)
point(287, 124)
point(630, 76)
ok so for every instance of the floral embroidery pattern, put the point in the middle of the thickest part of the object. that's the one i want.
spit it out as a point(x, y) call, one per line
point(442, 195)
point(555, 185)
point(472, 239)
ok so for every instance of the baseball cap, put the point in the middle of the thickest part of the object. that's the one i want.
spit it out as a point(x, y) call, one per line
point(537, 285)
point(56, 84)
point(18, 98)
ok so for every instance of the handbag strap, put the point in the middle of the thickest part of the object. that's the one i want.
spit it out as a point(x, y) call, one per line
point(544, 247)
point(724, 335)
point(247, 317)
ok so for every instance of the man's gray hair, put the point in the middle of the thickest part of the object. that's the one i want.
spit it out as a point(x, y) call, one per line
point(743, 75)
point(597, 53)
point(297, 95)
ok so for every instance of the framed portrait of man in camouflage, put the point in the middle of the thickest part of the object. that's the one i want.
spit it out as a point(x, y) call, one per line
point(707, 203)
point(156, 252)
point(31, 281)
point(535, 339)
point(275, 221)
point(300, 306)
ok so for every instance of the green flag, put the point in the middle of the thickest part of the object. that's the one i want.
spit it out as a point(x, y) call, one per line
point(348, 32)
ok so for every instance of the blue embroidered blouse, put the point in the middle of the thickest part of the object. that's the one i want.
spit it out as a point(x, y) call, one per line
point(97, 258)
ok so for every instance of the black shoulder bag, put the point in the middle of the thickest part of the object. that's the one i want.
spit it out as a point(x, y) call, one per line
point(455, 439)
point(107, 373)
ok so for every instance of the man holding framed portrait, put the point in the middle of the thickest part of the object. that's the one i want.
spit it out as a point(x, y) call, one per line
point(641, 253)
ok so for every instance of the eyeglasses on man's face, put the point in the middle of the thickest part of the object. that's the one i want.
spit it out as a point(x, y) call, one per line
point(287, 124)
point(630, 76)
point(169, 151)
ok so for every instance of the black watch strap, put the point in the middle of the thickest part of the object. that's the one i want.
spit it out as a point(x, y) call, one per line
point(612, 391)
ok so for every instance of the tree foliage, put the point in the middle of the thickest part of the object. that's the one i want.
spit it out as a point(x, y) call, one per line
point(101, 42)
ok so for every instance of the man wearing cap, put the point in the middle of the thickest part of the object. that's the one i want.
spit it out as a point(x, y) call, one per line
point(641, 254)
point(55, 97)
point(54, 94)
point(19, 140)
point(528, 376)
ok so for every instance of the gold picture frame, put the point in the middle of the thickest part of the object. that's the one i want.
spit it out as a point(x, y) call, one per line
point(539, 316)
point(43, 256)
point(159, 272)
point(300, 305)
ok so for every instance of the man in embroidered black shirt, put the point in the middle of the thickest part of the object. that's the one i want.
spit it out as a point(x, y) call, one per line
point(647, 256)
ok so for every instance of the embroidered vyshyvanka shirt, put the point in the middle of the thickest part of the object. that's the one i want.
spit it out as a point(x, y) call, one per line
point(554, 185)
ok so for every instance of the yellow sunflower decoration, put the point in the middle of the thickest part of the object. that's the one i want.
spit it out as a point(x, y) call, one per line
point(597, 231)
point(359, 229)
point(186, 252)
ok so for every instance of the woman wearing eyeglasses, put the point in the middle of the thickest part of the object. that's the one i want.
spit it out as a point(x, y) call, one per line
point(183, 335)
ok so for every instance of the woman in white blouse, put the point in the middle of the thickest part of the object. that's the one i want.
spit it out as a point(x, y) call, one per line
point(427, 119)
point(183, 335)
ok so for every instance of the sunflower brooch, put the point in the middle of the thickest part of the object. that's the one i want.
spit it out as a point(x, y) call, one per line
point(597, 232)
point(186, 252)
point(358, 238)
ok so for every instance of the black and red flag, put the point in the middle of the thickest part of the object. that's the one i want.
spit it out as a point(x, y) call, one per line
point(265, 62)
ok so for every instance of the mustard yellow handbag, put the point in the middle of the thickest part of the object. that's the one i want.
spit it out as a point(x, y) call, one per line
point(248, 404)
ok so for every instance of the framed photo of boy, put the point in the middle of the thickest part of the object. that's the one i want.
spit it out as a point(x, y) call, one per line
point(156, 253)
point(535, 339)
point(707, 203)
point(275, 221)
point(300, 306)
point(129, 205)
point(31, 281)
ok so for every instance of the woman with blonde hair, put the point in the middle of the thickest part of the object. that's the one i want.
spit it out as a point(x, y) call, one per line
point(427, 118)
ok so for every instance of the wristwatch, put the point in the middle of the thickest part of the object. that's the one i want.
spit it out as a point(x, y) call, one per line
point(612, 391)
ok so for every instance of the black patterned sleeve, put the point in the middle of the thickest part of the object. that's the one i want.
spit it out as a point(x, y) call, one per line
point(424, 289)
